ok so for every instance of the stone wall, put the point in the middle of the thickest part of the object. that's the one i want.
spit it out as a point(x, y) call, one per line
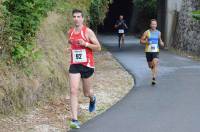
point(187, 33)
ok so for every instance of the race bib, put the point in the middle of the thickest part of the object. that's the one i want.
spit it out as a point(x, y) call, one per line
point(121, 31)
point(153, 48)
point(79, 56)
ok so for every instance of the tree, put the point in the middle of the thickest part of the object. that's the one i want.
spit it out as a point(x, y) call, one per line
point(98, 10)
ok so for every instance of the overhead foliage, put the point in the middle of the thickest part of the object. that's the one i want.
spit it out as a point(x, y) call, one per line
point(98, 10)
point(149, 6)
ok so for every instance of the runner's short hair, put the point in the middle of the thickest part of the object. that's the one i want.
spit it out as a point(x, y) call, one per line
point(153, 20)
point(77, 11)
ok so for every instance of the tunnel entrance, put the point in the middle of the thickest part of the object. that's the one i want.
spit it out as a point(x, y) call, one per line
point(118, 7)
point(137, 19)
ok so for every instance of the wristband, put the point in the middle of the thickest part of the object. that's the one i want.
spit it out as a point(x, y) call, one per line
point(86, 45)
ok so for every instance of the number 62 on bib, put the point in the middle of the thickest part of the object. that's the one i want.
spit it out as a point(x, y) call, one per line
point(79, 56)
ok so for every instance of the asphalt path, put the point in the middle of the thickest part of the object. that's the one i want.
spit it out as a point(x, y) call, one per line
point(173, 105)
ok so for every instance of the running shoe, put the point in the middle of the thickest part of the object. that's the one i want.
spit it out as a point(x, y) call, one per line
point(92, 105)
point(74, 124)
point(153, 81)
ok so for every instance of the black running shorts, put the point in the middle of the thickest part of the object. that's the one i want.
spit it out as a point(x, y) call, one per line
point(120, 34)
point(151, 55)
point(85, 71)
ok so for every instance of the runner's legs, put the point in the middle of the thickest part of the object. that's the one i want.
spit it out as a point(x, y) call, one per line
point(74, 85)
point(123, 38)
point(154, 67)
point(87, 87)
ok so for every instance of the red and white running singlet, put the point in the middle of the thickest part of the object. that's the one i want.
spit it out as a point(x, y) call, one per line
point(80, 54)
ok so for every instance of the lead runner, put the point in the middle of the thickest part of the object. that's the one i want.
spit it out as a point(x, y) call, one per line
point(82, 42)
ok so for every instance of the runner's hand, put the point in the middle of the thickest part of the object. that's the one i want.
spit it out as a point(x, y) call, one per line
point(121, 23)
point(70, 41)
point(146, 41)
point(162, 44)
point(81, 42)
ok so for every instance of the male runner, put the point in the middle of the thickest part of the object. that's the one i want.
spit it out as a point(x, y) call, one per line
point(82, 42)
point(152, 38)
point(120, 25)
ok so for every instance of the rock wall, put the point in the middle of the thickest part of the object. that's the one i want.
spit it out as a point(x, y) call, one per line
point(187, 34)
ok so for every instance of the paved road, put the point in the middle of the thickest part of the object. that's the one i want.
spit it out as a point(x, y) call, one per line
point(173, 105)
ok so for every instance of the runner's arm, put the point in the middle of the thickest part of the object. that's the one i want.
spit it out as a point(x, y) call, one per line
point(116, 25)
point(160, 41)
point(95, 43)
point(143, 39)
point(125, 26)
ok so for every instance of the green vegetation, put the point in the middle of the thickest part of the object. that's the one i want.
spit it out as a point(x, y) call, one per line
point(98, 10)
point(21, 21)
point(65, 7)
point(196, 14)
point(22, 18)
point(147, 9)
point(149, 6)
point(32, 29)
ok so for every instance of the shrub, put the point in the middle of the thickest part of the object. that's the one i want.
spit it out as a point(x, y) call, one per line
point(21, 20)
point(98, 9)
point(196, 14)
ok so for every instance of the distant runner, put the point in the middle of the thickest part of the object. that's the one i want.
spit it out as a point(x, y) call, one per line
point(121, 26)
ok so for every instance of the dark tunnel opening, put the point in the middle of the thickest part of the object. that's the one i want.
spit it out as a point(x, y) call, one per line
point(136, 18)
point(118, 7)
